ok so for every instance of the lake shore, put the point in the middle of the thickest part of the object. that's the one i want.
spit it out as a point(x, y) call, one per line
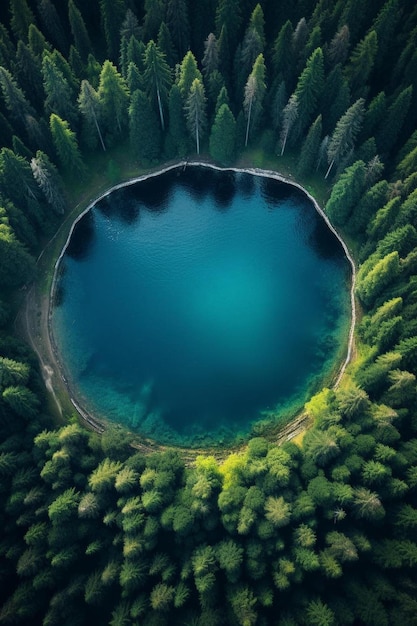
point(33, 321)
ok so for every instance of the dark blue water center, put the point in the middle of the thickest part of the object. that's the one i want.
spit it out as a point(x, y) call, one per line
point(194, 304)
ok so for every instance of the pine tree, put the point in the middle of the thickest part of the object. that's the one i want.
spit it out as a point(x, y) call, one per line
point(155, 14)
point(166, 46)
point(79, 31)
point(49, 180)
point(157, 77)
point(15, 168)
point(187, 74)
point(210, 60)
point(21, 400)
point(37, 42)
point(346, 193)
point(178, 24)
point(113, 96)
point(177, 140)
point(16, 267)
point(309, 88)
point(29, 73)
point(254, 95)
point(344, 136)
point(223, 136)
point(53, 25)
point(310, 148)
point(14, 98)
point(130, 26)
point(195, 108)
point(145, 136)
point(66, 146)
point(7, 49)
point(361, 63)
point(58, 91)
point(339, 46)
point(228, 15)
point(21, 18)
point(289, 117)
point(283, 59)
point(112, 13)
point(392, 123)
point(89, 104)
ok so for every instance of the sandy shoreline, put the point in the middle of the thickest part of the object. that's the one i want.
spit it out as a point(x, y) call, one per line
point(34, 319)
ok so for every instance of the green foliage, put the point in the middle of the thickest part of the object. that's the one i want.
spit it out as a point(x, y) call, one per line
point(223, 136)
point(93, 531)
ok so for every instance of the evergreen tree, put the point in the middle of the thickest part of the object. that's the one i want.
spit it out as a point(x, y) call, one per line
point(309, 151)
point(283, 59)
point(37, 42)
point(309, 87)
point(177, 139)
point(15, 168)
point(344, 136)
point(49, 181)
point(28, 70)
point(393, 121)
point(178, 24)
point(89, 104)
point(66, 146)
point(223, 136)
point(21, 18)
point(361, 63)
point(195, 108)
point(112, 13)
point(144, 132)
point(210, 60)
point(16, 267)
point(165, 44)
point(157, 77)
point(229, 16)
point(53, 25)
point(188, 72)
point(58, 91)
point(155, 14)
point(289, 117)
point(254, 95)
point(14, 98)
point(346, 193)
point(79, 31)
point(339, 46)
point(113, 97)
point(130, 26)
point(7, 50)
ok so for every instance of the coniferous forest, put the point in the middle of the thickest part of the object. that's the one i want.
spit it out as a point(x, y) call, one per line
point(318, 531)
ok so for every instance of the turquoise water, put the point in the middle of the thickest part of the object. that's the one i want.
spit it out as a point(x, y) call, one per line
point(192, 305)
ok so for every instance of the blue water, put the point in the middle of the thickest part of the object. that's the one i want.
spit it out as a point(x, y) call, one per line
point(192, 305)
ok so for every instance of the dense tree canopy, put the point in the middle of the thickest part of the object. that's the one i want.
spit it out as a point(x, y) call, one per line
point(320, 530)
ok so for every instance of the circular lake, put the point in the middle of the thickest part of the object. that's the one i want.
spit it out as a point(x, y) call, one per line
point(199, 306)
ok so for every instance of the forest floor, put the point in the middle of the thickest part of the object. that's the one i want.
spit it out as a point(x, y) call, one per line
point(33, 324)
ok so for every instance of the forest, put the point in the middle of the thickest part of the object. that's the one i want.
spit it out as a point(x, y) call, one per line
point(320, 530)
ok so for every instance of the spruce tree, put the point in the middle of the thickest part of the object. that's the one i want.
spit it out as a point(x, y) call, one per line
point(66, 146)
point(223, 136)
point(79, 31)
point(344, 136)
point(254, 95)
point(89, 104)
point(195, 108)
point(145, 136)
point(113, 97)
point(157, 78)
point(309, 88)
point(310, 148)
